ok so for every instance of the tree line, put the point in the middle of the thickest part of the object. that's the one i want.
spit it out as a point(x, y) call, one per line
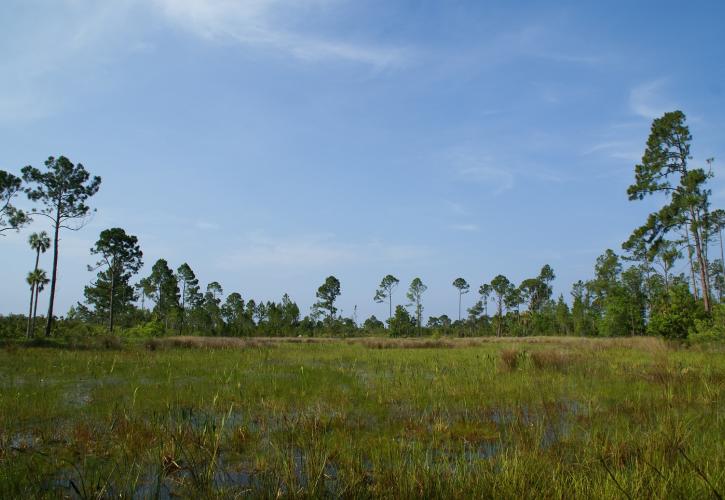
point(635, 293)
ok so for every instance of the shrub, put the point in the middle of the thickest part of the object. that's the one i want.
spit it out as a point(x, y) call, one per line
point(711, 330)
point(675, 314)
point(110, 342)
point(150, 329)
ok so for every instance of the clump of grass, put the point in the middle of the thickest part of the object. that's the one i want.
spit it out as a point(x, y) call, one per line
point(510, 358)
point(650, 344)
point(551, 359)
point(405, 343)
point(206, 342)
point(110, 342)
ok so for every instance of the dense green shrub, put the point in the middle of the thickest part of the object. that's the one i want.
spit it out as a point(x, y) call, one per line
point(675, 313)
point(710, 330)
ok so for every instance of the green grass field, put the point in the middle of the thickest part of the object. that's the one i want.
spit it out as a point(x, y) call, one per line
point(547, 417)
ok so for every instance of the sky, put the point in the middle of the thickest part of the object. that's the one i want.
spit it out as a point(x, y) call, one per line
point(270, 144)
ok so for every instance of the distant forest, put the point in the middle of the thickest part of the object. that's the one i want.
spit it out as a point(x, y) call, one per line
point(635, 292)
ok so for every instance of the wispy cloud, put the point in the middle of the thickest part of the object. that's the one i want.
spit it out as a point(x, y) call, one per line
point(536, 41)
point(467, 228)
point(48, 45)
point(259, 23)
point(586, 59)
point(498, 179)
point(48, 48)
point(647, 101)
point(620, 150)
point(456, 208)
point(206, 225)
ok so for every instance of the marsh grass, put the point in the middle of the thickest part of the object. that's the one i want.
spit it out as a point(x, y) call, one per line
point(510, 359)
point(398, 418)
point(553, 359)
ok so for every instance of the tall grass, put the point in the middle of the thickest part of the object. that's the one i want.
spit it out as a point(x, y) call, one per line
point(576, 418)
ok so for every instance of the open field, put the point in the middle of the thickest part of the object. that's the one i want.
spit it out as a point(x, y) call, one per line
point(554, 417)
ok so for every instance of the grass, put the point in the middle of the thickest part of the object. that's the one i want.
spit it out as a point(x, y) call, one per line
point(550, 417)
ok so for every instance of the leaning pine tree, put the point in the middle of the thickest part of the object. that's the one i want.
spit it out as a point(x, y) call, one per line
point(665, 170)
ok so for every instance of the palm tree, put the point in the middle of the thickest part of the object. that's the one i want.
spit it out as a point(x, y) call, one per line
point(40, 242)
point(37, 280)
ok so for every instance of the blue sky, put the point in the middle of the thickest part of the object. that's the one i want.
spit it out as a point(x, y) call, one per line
point(272, 143)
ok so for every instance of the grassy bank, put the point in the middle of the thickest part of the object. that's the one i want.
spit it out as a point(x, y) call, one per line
point(555, 417)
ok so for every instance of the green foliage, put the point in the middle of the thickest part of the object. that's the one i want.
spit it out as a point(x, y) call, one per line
point(211, 306)
point(415, 296)
point(537, 291)
point(710, 329)
point(582, 313)
point(11, 218)
point(503, 288)
point(385, 292)
point(463, 287)
point(164, 288)
point(373, 325)
point(675, 314)
point(664, 169)
point(485, 292)
point(401, 324)
point(149, 329)
point(191, 297)
point(63, 190)
point(119, 258)
point(326, 296)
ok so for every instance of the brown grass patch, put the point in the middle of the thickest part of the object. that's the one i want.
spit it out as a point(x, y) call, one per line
point(205, 343)
point(510, 358)
point(383, 343)
point(651, 344)
point(551, 359)
point(192, 342)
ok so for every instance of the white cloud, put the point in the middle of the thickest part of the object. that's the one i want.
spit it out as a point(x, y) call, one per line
point(49, 48)
point(646, 99)
point(259, 23)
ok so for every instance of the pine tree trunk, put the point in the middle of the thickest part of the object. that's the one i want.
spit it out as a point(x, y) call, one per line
point(28, 332)
point(183, 309)
point(110, 307)
point(701, 259)
point(35, 309)
point(500, 319)
point(33, 287)
point(692, 266)
point(49, 322)
point(722, 263)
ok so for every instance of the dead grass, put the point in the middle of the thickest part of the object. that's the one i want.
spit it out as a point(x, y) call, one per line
point(510, 359)
point(651, 344)
point(190, 342)
point(552, 359)
point(205, 343)
point(383, 343)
